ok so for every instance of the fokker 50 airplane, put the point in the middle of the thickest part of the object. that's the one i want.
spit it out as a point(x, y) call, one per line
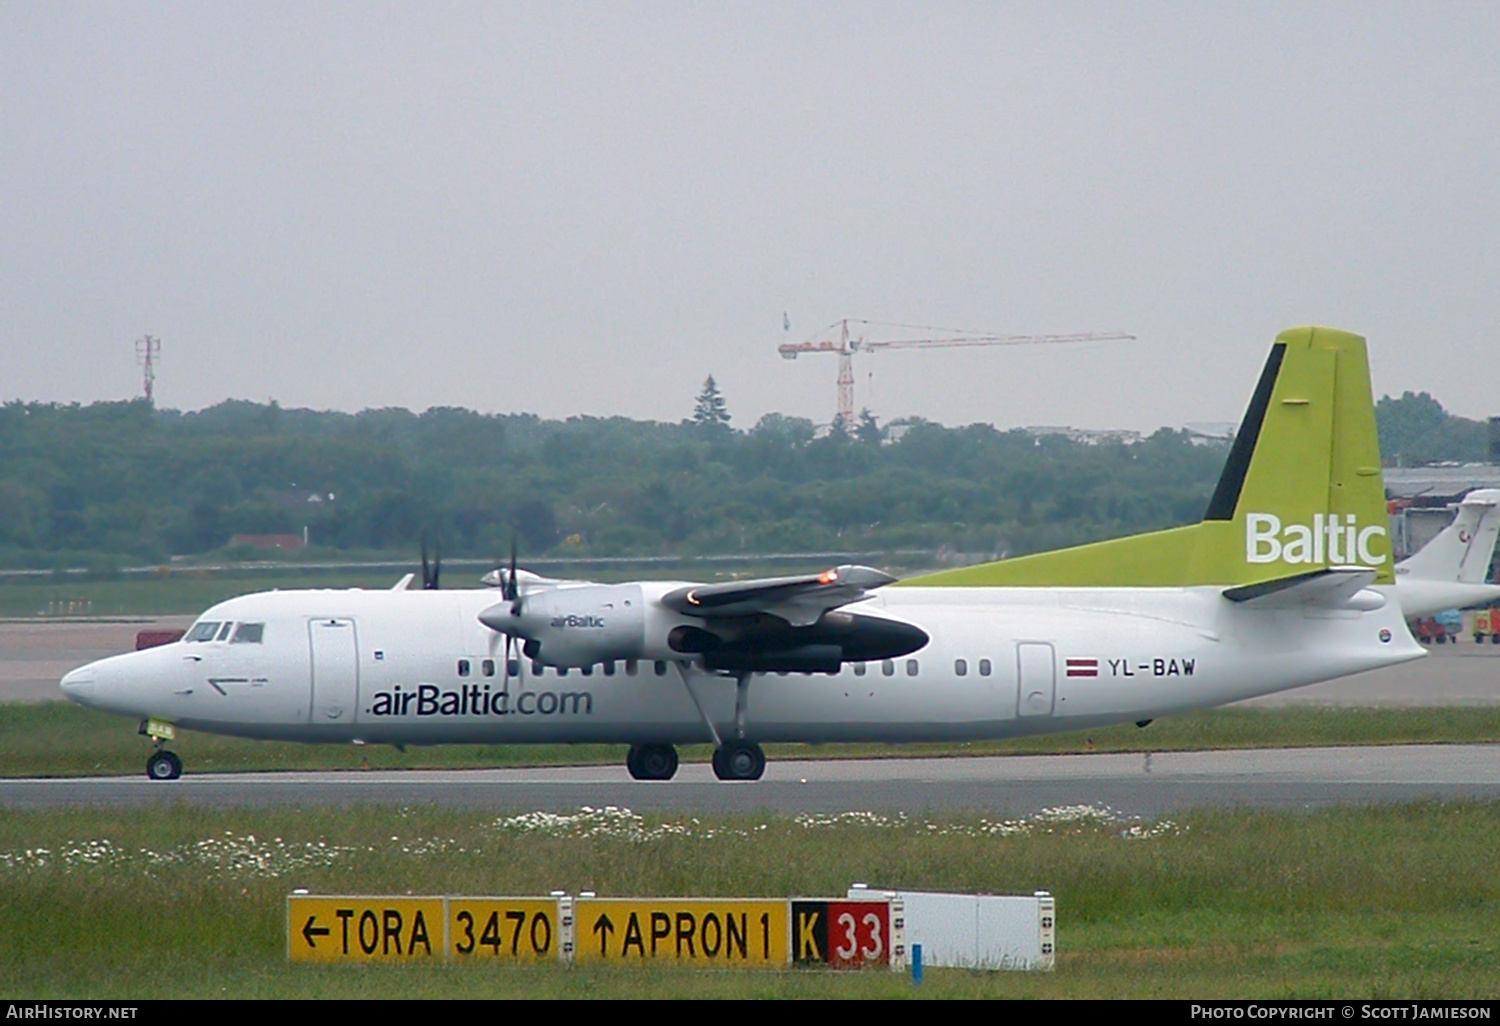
point(1272, 590)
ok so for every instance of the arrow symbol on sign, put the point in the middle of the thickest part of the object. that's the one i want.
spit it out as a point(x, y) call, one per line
point(604, 928)
point(309, 931)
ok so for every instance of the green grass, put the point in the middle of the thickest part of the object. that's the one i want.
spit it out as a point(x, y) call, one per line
point(63, 739)
point(1379, 902)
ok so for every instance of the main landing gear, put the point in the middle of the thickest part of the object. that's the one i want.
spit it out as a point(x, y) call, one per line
point(733, 760)
point(163, 765)
point(739, 760)
point(652, 762)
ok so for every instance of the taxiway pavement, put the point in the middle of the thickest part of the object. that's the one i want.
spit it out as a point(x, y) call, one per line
point(1132, 785)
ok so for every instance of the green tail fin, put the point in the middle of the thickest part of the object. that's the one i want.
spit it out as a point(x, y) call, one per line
point(1301, 490)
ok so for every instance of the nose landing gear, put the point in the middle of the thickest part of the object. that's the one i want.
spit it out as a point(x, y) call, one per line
point(163, 765)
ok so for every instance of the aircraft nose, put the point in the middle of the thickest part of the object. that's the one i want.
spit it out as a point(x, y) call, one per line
point(79, 685)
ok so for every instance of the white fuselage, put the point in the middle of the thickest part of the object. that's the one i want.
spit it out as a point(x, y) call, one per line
point(418, 668)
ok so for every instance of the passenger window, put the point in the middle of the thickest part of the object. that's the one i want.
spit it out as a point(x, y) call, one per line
point(463, 667)
point(203, 631)
point(984, 667)
point(888, 668)
point(859, 669)
point(487, 667)
point(536, 668)
point(661, 668)
point(588, 671)
point(248, 634)
point(609, 669)
point(631, 666)
point(513, 668)
point(562, 671)
point(224, 631)
point(911, 667)
point(961, 667)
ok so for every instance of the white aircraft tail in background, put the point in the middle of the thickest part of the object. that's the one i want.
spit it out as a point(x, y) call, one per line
point(1449, 572)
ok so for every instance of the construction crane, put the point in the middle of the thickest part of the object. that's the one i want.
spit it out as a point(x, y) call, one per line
point(846, 347)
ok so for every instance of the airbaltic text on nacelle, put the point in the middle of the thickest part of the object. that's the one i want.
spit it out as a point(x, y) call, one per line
point(1326, 540)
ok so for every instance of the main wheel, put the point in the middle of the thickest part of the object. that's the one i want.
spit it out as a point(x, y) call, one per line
point(739, 760)
point(652, 762)
point(164, 765)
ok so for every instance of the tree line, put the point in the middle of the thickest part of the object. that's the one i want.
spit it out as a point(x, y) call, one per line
point(123, 482)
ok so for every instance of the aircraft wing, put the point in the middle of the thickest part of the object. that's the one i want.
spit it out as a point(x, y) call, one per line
point(797, 600)
point(1335, 587)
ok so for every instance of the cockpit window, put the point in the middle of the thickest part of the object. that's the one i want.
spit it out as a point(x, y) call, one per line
point(224, 631)
point(203, 630)
point(248, 634)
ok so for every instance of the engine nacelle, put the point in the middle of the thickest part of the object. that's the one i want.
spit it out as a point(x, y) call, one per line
point(574, 627)
point(770, 644)
point(599, 623)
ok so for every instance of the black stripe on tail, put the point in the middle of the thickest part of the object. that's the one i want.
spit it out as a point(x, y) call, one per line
point(1232, 480)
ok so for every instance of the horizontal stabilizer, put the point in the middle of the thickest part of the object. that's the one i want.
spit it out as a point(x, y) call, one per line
point(1335, 587)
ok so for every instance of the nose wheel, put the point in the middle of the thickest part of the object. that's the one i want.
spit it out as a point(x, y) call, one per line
point(739, 760)
point(163, 765)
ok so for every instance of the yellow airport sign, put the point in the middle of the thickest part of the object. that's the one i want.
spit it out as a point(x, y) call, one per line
point(509, 929)
point(696, 931)
point(365, 929)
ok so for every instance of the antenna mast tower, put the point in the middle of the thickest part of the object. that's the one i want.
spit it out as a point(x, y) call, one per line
point(147, 353)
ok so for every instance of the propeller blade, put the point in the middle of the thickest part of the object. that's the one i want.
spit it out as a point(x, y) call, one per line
point(510, 659)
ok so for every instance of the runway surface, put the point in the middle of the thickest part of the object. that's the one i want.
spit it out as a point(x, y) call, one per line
point(1131, 785)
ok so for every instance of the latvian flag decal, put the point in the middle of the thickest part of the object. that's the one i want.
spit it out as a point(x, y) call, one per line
point(1083, 667)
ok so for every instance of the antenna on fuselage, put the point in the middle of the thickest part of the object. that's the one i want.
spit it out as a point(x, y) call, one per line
point(430, 574)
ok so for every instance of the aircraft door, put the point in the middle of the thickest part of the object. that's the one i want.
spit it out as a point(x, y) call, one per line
point(1036, 673)
point(335, 669)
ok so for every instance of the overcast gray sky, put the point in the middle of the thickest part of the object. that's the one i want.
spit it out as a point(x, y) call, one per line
point(571, 208)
